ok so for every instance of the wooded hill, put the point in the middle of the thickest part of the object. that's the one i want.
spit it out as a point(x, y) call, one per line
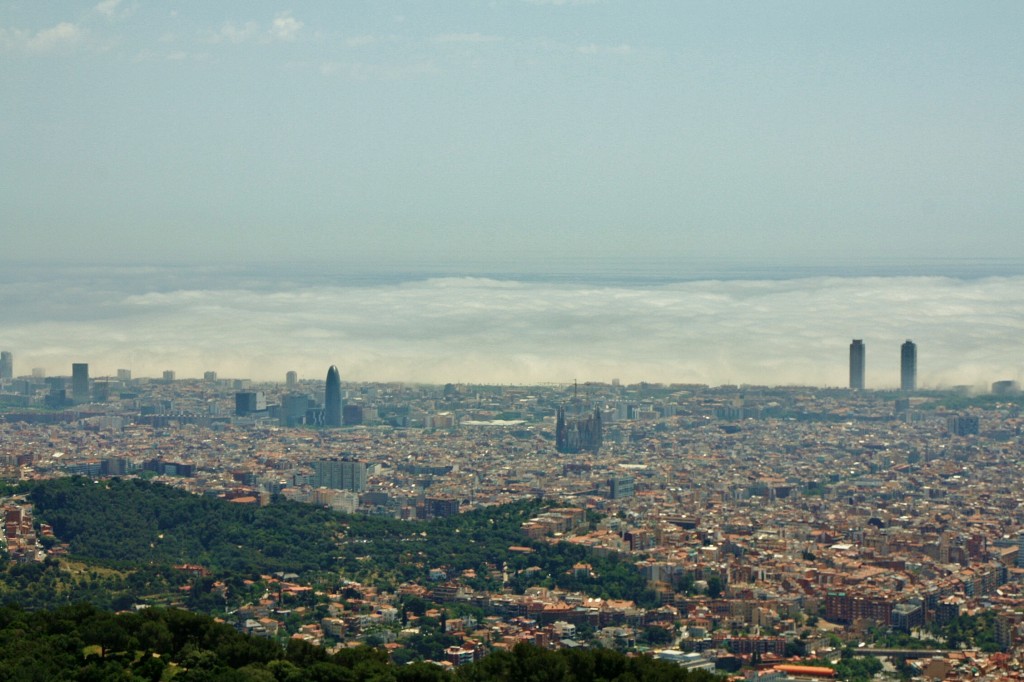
point(140, 529)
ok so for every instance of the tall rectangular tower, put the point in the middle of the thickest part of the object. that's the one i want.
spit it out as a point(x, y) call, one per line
point(6, 365)
point(908, 366)
point(857, 364)
point(80, 382)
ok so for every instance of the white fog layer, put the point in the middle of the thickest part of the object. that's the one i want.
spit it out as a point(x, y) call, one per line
point(485, 330)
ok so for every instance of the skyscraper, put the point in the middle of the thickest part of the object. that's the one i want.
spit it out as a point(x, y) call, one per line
point(80, 382)
point(332, 398)
point(857, 364)
point(291, 379)
point(908, 366)
point(6, 365)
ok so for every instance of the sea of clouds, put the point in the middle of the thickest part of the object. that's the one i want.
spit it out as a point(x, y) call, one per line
point(513, 330)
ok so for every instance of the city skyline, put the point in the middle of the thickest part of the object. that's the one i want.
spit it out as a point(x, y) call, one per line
point(513, 192)
point(333, 400)
point(516, 331)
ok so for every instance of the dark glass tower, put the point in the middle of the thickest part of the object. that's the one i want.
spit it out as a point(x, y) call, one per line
point(857, 364)
point(332, 398)
point(908, 366)
point(80, 382)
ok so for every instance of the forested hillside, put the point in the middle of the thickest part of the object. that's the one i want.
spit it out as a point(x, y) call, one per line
point(84, 643)
point(133, 525)
point(128, 523)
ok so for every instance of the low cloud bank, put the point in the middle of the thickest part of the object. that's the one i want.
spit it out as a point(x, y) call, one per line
point(484, 330)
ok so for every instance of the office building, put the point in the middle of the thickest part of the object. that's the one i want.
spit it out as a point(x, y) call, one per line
point(169, 376)
point(332, 398)
point(857, 364)
point(209, 376)
point(80, 382)
point(249, 402)
point(124, 375)
point(6, 365)
point(908, 366)
point(963, 425)
point(293, 409)
point(291, 379)
point(440, 507)
point(621, 487)
point(352, 415)
point(101, 390)
point(1005, 387)
point(340, 474)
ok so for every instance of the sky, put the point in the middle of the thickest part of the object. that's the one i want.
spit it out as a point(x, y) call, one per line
point(513, 191)
point(524, 132)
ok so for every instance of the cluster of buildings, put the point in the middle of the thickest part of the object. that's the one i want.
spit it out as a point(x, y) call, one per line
point(21, 535)
point(764, 520)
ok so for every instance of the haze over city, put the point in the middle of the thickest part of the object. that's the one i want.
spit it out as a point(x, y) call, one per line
point(491, 330)
point(515, 191)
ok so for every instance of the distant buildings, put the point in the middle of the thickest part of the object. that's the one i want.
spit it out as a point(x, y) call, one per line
point(291, 379)
point(1005, 387)
point(857, 364)
point(963, 425)
point(6, 365)
point(332, 398)
point(578, 433)
point(908, 366)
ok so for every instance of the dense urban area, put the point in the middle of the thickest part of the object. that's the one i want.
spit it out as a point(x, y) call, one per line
point(767, 533)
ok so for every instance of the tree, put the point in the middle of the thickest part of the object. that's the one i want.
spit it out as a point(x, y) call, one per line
point(656, 635)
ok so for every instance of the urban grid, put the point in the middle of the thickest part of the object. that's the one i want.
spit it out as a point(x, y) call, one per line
point(769, 525)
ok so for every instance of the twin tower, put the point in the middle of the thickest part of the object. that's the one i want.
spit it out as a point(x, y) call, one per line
point(908, 365)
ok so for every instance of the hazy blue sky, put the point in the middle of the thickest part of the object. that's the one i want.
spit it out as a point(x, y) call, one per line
point(447, 131)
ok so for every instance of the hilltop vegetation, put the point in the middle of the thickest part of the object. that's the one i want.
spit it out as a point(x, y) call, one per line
point(129, 523)
point(142, 529)
point(81, 642)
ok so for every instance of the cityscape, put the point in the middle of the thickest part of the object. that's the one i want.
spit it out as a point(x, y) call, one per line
point(769, 527)
point(512, 341)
